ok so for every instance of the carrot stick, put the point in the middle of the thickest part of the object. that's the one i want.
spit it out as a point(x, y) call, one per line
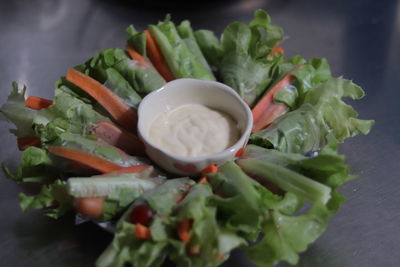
point(133, 169)
point(202, 180)
point(25, 142)
point(266, 110)
point(277, 49)
point(239, 152)
point(123, 114)
point(135, 54)
point(85, 158)
point(184, 228)
point(118, 137)
point(272, 112)
point(142, 232)
point(157, 58)
point(212, 168)
point(37, 103)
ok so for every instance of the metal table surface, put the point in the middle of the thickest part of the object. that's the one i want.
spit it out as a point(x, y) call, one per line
point(39, 40)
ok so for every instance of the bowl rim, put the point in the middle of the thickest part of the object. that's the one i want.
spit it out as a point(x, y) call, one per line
point(241, 142)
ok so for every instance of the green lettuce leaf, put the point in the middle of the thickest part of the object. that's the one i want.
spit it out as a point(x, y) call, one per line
point(288, 227)
point(53, 199)
point(210, 45)
point(143, 78)
point(15, 111)
point(69, 113)
point(185, 31)
point(307, 75)
point(182, 61)
point(237, 199)
point(245, 65)
point(327, 168)
point(286, 236)
point(35, 167)
point(321, 118)
point(126, 249)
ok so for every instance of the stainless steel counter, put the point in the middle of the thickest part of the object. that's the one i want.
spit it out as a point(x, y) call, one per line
point(39, 40)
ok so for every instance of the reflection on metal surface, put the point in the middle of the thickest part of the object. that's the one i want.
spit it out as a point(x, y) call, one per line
point(52, 14)
point(23, 68)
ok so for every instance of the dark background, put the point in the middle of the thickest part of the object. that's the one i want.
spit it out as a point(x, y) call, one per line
point(39, 40)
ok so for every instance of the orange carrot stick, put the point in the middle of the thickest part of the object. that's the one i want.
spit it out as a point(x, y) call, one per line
point(266, 110)
point(272, 112)
point(134, 54)
point(184, 228)
point(239, 152)
point(212, 168)
point(133, 169)
point(157, 58)
point(25, 142)
point(85, 158)
point(202, 180)
point(138, 57)
point(118, 137)
point(142, 232)
point(123, 114)
point(37, 103)
point(277, 49)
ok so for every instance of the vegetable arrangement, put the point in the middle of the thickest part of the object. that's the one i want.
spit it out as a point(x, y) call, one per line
point(82, 148)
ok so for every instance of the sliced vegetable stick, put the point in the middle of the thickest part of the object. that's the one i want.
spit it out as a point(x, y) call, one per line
point(157, 58)
point(142, 232)
point(25, 142)
point(133, 169)
point(266, 110)
point(134, 54)
point(202, 180)
point(277, 49)
point(271, 113)
point(138, 57)
point(85, 158)
point(91, 207)
point(37, 103)
point(239, 152)
point(212, 168)
point(118, 137)
point(184, 228)
point(122, 113)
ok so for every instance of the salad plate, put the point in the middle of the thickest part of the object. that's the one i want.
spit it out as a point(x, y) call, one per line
point(277, 193)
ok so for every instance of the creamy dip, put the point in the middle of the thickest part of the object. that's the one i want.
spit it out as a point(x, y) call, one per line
point(194, 130)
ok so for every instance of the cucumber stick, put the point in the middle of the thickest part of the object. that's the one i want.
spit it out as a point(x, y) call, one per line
point(103, 186)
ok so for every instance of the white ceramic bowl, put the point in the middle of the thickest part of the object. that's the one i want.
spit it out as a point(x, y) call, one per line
point(179, 92)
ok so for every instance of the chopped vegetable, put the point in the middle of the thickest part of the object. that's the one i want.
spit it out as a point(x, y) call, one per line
point(184, 229)
point(118, 137)
point(124, 115)
point(266, 110)
point(157, 58)
point(25, 142)
point(212, 168)
point(37, 103)
point(141, 214)
point(87, 159)
point(90, 207)
point(142, 232)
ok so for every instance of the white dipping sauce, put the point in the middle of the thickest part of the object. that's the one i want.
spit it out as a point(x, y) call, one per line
point(194, 130)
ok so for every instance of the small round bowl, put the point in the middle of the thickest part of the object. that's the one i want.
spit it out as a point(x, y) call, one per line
point(179, 92)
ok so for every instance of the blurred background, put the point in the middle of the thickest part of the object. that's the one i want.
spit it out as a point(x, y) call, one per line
point(40, 39)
